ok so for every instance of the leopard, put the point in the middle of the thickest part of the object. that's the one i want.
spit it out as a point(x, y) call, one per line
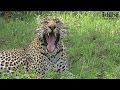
point(45, 52)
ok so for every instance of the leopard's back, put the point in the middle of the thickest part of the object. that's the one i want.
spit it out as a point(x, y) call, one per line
point(12, 58)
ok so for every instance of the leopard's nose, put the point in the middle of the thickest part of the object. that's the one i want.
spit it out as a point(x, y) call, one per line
point(52, 27)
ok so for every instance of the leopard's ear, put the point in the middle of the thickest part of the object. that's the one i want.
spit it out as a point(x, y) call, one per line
point(38, 20)
point(60, 19)
point(37, 30)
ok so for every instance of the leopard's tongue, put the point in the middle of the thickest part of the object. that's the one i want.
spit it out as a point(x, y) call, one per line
point(51, 42)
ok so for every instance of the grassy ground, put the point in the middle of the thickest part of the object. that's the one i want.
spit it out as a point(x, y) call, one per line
point(92, 42)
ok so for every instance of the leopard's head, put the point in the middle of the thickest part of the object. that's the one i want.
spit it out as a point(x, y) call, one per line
point(51, 30)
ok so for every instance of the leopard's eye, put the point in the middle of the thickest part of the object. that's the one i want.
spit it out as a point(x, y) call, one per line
point(57, 21)
point(46, 22)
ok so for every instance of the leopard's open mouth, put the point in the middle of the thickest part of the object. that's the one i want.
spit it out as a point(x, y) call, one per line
point(51, 39)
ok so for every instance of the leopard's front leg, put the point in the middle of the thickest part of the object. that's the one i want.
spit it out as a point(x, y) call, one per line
point(61, 63)
point(40, 69)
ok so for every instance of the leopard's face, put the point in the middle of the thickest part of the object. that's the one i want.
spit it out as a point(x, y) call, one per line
point(51, 30)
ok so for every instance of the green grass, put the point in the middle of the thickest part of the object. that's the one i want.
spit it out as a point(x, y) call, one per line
point(92, 43)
